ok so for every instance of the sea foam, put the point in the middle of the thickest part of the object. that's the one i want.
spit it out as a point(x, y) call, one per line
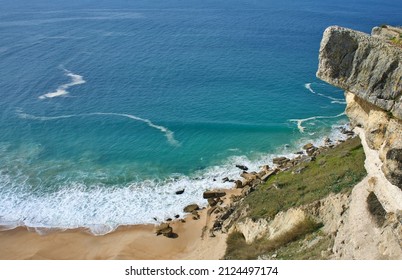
point(333, 100)
point(63, 89)
point(301, 121)
point(101, 209)
point(167, 132)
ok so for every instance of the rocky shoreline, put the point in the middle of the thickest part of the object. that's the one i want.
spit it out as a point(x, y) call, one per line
point(222, 209)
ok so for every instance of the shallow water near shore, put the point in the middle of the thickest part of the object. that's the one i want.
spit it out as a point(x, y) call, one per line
point(107, 110)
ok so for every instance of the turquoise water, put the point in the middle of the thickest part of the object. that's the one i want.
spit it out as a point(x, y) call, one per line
point(108, 108)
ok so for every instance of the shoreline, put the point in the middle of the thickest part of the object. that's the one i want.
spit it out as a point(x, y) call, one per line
point(135, 242)
point(210, 178)
point(195, 239)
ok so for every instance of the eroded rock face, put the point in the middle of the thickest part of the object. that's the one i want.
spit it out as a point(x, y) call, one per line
point(368, 66)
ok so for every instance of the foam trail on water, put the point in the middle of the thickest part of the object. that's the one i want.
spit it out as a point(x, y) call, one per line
point(63, 89)
point(333, 100)
point(301, 121)
point(168, 133)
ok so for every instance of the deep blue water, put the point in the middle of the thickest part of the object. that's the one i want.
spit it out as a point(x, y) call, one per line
point(108, 108)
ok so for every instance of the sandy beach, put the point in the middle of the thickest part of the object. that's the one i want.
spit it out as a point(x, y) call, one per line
point(137, 242)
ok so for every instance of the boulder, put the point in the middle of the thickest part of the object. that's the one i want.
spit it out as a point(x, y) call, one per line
point(265, 168)
point(308, 146)
point(195, 215)
point(190, 208)
point(212, 202)
point(280, 161)
point(179, 191)
point(165, 229)
point(238, 184)
point(213, 194)
point(242, 167)
point(269, 174)
point(248, 176)
point(311, 151)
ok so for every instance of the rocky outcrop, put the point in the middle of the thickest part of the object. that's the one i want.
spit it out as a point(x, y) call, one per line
point(369, 68)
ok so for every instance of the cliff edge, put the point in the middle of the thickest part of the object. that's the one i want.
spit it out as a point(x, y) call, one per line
point(341, 200)
point(369, 69)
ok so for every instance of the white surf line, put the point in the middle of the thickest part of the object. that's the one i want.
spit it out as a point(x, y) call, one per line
point(168, 133)
point(63, 89)
point(333, 100)
point(301, 121)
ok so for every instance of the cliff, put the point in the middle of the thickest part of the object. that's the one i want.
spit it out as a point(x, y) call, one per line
point(339, 201)
point(369, 69)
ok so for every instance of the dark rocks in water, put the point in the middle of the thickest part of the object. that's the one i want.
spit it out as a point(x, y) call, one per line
point(299, 153)
point(168, 219)
point(177, 216)
point(214, 180)
point(179, 191)
point(213, 194)
point(224, 180)
point(190, 208)
point(242, 167)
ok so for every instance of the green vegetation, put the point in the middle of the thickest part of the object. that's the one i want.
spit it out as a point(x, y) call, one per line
point(334, 170)
point(309, 248)
point(397, 40)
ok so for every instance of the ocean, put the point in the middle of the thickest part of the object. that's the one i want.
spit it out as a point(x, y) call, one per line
point(109, 107)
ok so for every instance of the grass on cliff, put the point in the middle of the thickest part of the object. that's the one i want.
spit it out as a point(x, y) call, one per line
point(335, 170)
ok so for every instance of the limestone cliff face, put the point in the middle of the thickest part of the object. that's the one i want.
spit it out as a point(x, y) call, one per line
point(369, 69)
point(368, 66)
